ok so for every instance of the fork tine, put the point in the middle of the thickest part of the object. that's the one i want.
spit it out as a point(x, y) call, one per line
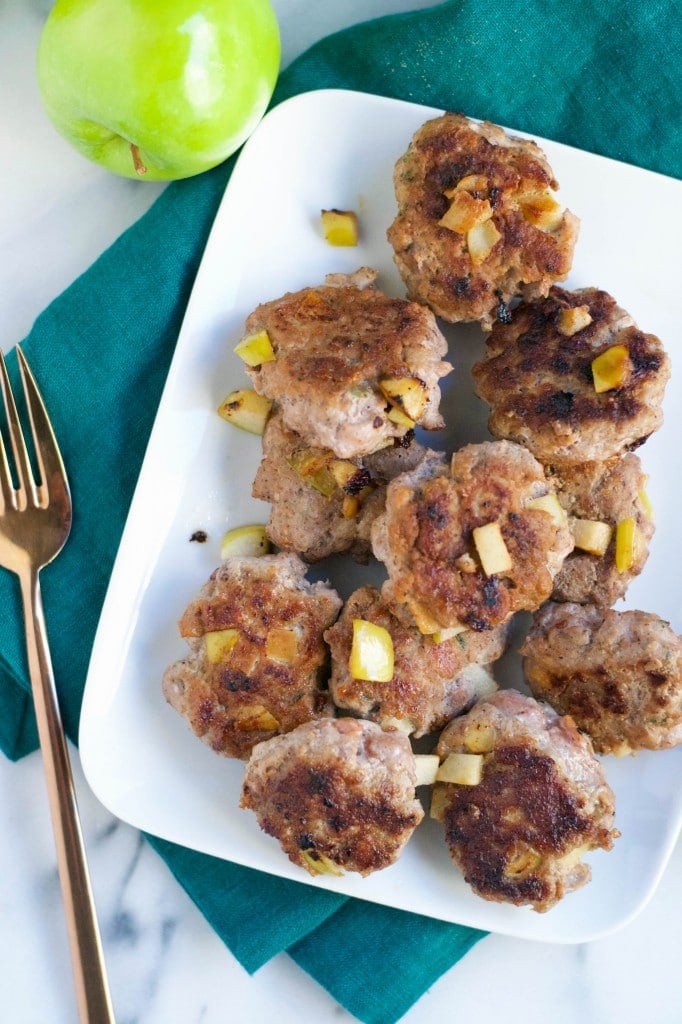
point(48, 456)
point(22, 465)
point(6, 488)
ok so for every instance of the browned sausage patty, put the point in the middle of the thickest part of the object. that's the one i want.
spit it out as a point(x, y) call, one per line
point(432, 682)
point(313, 513)
point(258, 661)
point(618, 674)
point(542, 802)
point(539, 380)
point(604, 492)
point(455, 171)
point(426, 537)
point(338, 795)
point(335, 345)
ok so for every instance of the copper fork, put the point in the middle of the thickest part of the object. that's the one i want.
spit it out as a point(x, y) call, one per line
point(35, 520)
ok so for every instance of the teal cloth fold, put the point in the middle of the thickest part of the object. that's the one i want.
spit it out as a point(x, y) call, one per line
point(603, 76)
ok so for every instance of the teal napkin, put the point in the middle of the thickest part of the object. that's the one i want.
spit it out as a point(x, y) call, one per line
point(604, 76)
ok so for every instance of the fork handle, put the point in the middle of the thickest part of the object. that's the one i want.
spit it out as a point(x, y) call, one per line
point(92, 991)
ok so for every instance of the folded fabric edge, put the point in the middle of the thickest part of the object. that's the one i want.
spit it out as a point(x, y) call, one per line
point(377, 961)
point(231, 896)
point(18, 731)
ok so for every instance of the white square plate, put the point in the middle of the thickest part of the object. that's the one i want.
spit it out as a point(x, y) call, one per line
point(337, 149)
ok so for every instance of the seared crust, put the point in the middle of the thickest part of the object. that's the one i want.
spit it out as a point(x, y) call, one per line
point(432, 682)
point(540, 386)
point(618, 674)
point(434, 261)
point(606, 492)
point(543, 801)
point(333, 345)
point(256, 689)
point(306, 521)
point(338, 789)
point(425, 537)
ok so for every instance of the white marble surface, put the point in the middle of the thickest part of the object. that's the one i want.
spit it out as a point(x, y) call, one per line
point(166, 966)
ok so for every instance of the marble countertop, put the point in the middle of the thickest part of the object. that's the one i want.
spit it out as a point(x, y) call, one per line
point(165, 963)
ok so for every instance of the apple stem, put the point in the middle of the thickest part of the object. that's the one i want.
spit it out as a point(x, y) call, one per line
point(138, 162)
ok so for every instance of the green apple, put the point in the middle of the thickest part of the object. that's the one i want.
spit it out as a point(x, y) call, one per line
point(158, 89)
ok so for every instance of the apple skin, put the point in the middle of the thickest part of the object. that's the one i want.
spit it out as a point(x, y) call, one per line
point(158, 89)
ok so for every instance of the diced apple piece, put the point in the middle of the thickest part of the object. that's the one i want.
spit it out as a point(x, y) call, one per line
point(281, 645)
point(256, 349)
point(572, 320)
point(481, 240)
point(447, 634)
point(462, 769)
point(307, 461)
point(591, 535)
point(465, 212)
point(645, 502)
point(400, 418)
point(425, 623)
point(611, 369)
point(371, 655)
point(352, 503)
point(466, 563)
point(479, 738)
point(246, 409)
point(254, 717)
point(439, 800)
point(427, 768)
point(245, 542)
point(350, 506)
point(406, 393)
point(492, 550)
point(470, 183)
point(524, 860)
point(541, 210)
point(312, 465)
point(403, 725)
point(344, 472)
point(320, 864)
point(628, 542)
point(550, 504)
point(219, 643)
point(340, 227)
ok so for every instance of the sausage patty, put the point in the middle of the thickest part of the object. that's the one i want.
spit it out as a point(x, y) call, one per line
point(518, 836)
point(539, 380)
point(427, 541)
point(259, 661)
point(313, 513)
point(432, 682)
point(460, 179)
point(338, 795)
point(605, 492)
point(618, 674)
point(335, 346)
